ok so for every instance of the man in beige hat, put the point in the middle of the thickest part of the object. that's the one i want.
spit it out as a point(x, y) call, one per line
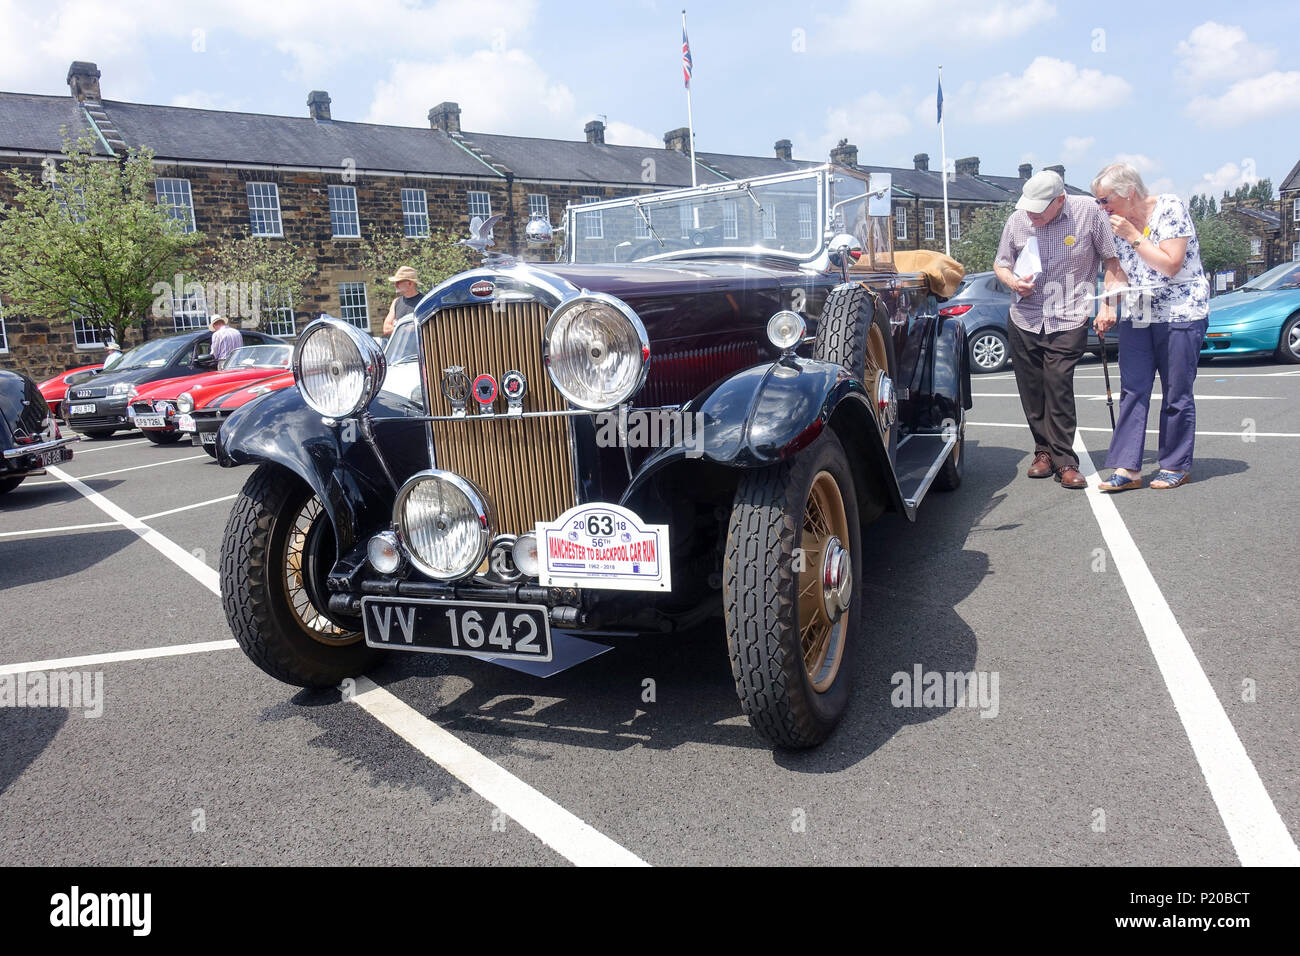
point(1050, 251)
point(408, 296)
point(225, 338)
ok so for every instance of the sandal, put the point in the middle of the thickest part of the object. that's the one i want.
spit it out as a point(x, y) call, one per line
point(1168, 479)
point(1118, 482)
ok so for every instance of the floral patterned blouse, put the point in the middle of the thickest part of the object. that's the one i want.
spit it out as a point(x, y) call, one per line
point(1183, 298)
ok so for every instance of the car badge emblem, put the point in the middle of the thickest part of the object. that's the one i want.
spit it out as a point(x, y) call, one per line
point(515, 387)
point(482, 289)
point(485, 393)
point(455, 389)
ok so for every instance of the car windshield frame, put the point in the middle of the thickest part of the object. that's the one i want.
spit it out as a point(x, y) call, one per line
point(404, 335)
point(131, 360)
point(746, 194)
point(1268, 281)
point(284, 349)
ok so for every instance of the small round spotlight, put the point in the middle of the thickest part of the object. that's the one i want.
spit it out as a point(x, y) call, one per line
point(525, 554)
point(785, 330)
point(384, 554)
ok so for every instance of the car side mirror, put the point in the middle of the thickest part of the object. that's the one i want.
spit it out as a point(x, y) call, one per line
point(844, 251)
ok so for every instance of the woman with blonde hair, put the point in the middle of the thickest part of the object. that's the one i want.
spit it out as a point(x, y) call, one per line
point(1167, 306)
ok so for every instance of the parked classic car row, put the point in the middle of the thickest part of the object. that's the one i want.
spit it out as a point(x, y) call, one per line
point(30, 439)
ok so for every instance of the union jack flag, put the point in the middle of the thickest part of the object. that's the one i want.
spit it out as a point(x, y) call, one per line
point(686, 58)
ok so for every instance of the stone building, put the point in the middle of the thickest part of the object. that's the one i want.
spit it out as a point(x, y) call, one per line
point(1290, 214)
point(326, 183)
point(1260, 222)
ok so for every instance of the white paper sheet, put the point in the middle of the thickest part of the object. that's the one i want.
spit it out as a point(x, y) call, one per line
point(1028, 263)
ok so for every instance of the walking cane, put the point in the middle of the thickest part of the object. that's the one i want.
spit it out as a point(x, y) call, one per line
point(1105, 371)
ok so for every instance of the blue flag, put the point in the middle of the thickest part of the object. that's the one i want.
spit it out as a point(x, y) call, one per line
point(939, 103)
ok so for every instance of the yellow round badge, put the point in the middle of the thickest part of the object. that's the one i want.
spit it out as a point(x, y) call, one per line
point(1146, 231)
point(1069, 240)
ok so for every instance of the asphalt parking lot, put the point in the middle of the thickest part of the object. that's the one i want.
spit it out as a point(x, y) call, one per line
point(1145, 709)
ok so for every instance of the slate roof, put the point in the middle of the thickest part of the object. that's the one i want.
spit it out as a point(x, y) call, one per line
point(29, 121)
point(928, 184)
point(559, 159)
point(1268, 217)
point(1014, 184)
point(1292, 180)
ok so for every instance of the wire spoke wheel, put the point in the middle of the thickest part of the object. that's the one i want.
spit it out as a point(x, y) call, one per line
point(305, 531)
point(825, 579)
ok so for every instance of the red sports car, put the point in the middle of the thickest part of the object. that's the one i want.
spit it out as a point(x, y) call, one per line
point(202, 409)
point(55, 389)
point(153, 408)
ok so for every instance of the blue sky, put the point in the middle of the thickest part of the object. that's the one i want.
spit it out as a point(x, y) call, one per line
point(1199, 96)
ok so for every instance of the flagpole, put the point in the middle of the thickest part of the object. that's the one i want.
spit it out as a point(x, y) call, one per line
point(943, 159)
point(690, 119)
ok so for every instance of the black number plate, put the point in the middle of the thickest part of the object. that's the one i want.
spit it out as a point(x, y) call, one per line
point(56, 456)
point(517, 631)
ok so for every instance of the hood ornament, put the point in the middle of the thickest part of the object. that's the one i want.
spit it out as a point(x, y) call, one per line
point(480, 237)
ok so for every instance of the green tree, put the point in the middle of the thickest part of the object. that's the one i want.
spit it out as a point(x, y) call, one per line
point(434, 258)
point(89, 240)
point(266, 274)
point(978, 245)
point(1222, 244)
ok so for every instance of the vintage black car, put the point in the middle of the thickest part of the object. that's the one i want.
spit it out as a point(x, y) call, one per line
point(690, 417)
point(29, 437)
point(97, 408)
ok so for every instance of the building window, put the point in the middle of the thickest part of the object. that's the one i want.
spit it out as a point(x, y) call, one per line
point(684, 218)
point(730, 224)
point(805, 220)
point(643, 223)
point(480, 204)
point(539, 207)
point(174, 194)
point(85, 334)
point(1295, 212)
point(415, 213)
point(1256, 246)
point(593, 223)
point(72, 202)
point(191, 311)
point(1295, 252)
point(769, 220)
point(279, 313)
point(353, 307)
point(929, 223)
point(954, 216)
point(4, 335)
point(900, 223)
point(343, 212)
point(264, 209)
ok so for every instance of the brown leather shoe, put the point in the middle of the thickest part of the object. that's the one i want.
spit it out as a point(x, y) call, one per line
point(1042, 466)
point(1069, 477)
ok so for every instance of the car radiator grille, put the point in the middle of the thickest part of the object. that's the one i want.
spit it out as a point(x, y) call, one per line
point(523, 465)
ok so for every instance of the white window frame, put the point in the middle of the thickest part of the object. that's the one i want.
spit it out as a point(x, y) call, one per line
point(805, 220)
point(769, 220)
point(593, 223)
point(1295, 212)
point(684, 220)
point(4, 334)
point(642, 226)
point(1295, 252)
point(929, 222)
point(730, 220)
point(348, 290)
point(344, 212)
point(479, 203)
point(954, 216)
point(415, 214)
point(279, 315)
point(539, 205)
point(1256, 246)
point(900, 222)
point(176, 196)
point(192, 314)
point(82, 331)
point(265, 212)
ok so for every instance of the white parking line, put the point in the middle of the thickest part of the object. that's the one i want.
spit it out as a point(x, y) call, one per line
point(559, 829)
point(66, 527)
point(112, 657)
point(1256, 829)
point(118, 471)
point(1155, 396)
point(1150, 431)
point(81, 450)
point(200, 504)
point(555, 826)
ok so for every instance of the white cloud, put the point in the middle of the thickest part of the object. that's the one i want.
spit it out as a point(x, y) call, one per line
point(1076, 147)
point(1215, 52)
point(1047, 86)
point(1263, 97)
point(866, 121)
point(870, 26)
point(1140, 161)
point(625, 134)
point(1228, 176)
point(207, 100)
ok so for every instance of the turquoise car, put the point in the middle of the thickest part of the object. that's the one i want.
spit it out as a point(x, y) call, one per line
point(1262, 316)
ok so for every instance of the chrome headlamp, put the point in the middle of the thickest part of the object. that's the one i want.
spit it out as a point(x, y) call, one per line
point(597, 351)
point(444, 522)
point(185, 403)
point(337, 367)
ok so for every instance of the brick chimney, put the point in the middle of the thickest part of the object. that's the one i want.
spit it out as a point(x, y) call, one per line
point(1058, 169)
point(595, 131)
point(921, 161)
point(969, 166)
point(678, 139)
point(784, 149)
point(844, 153)
point(446, 117)
point(318, 105)
point(83, 81)
point(1026, 170)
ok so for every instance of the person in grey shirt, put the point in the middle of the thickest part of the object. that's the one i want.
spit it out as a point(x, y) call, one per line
point(225, 339)
point(1051, 248)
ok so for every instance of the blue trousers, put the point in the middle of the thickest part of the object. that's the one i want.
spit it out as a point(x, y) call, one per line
point(1171, 349)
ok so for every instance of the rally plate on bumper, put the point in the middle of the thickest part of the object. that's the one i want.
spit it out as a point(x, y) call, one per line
point(509, 631)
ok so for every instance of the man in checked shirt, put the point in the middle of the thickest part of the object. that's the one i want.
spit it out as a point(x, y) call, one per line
point(1049, 312)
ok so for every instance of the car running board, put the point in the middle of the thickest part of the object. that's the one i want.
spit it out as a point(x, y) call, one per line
point(920, 456)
